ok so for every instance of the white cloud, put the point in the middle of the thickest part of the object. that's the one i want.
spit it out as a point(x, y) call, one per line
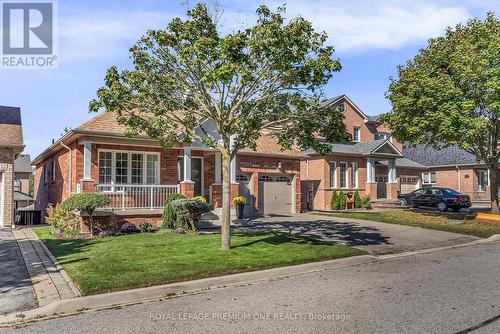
point(94, 34)
point(361, 25)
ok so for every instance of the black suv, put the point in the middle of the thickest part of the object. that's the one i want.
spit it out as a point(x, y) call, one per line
point(441, 198)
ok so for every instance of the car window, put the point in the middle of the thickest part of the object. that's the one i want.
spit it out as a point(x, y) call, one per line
point(435, 191)
point(419, 192)
point(450, 192)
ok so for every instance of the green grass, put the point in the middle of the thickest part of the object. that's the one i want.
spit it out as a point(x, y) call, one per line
point(139, 260)
point(428, 220)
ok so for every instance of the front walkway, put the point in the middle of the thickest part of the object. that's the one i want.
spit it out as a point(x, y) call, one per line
point(374, 237)
point(50, 282)
point(16, 293)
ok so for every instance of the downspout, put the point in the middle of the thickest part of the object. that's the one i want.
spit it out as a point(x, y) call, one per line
point(70, 168)
point(458, 177)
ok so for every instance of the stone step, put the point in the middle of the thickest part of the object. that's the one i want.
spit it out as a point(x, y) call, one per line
point(386, 204)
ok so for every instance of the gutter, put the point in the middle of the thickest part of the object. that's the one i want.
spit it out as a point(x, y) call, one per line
point(70, 168)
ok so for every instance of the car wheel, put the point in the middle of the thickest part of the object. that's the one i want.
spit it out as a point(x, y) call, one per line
point(455, 209)
point(403, 202)
point(442, 206)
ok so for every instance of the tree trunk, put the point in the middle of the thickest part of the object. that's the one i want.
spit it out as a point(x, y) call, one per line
point(226, 202)
point(493, 169)
point(91, 223)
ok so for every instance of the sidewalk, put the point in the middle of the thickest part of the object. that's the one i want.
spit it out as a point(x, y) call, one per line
point(49, 281)
point(16, 293)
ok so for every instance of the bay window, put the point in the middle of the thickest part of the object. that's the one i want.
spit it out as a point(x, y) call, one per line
point(122, 167)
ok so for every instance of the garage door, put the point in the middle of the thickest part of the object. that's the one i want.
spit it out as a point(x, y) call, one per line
point(408, 184)
point(275, 194)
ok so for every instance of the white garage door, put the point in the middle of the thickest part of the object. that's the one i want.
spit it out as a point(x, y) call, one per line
point(275, 194)
point(408, 184)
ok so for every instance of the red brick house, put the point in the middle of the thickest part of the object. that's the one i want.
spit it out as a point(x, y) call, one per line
point(138, 174)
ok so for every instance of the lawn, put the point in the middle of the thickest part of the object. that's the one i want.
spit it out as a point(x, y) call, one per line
point(139, 260)
point(428, 220)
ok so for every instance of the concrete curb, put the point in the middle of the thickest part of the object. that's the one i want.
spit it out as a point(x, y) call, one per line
point(141, 295)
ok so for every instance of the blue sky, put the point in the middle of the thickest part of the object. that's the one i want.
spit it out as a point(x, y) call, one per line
point(371, 38)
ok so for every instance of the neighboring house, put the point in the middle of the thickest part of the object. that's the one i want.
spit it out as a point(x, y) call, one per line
point(11, 145)
point(372, 163)
point(22, 173)
point(454, 168)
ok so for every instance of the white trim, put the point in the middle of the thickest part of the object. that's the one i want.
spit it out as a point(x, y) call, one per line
point(218, 168)
point(346, 175)
point(430, 182)
point(359, 134)
point(387, 142)
point(129, 165)
point(87, 160)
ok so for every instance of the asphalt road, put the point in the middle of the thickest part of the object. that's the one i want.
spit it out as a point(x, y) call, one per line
point(453, 291)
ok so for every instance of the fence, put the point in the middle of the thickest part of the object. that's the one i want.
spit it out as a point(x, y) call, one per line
point(126, 197)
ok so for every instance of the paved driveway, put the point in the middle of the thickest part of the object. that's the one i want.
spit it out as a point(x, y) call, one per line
point(16, 292)
point(374, 237)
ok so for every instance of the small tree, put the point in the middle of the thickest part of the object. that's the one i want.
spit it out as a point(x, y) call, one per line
point(188, 79)
point(341, 200)
point(86, 203)
point(358, 202)
point(449, 94)
point(333, 200)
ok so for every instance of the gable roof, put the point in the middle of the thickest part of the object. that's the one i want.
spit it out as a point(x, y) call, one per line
point(431, 157)
point(11, 131)
point(374, 147)
point(404, 162)
point(23, 164)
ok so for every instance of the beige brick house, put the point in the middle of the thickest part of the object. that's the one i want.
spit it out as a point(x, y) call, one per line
point(11, 145)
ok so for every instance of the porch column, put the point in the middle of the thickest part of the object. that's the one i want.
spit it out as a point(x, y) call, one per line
point(187, 185)
point(392, 181)
point(371, 185)
point(87, 183)
point(218, 168)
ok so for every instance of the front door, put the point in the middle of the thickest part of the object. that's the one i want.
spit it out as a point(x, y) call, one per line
point(381, 186)
point(197, 175)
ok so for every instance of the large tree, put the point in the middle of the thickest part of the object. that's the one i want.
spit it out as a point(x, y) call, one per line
point(267, 77)
point(449, 94)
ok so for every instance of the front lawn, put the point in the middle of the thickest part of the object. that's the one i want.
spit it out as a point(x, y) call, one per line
point(428, 220)
point(139, 260)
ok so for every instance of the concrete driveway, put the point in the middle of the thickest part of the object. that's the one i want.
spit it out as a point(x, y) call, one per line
point(375, 238)
point(16, 292)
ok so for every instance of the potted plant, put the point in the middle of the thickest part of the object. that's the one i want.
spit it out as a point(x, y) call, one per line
point(239, 201)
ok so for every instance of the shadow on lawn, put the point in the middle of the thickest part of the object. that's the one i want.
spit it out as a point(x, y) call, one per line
point(278, 238)
point(329, 231)
point(61, 248)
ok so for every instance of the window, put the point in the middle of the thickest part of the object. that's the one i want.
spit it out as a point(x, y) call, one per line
point(105, 160)
point(152, 169)
point(333, 174)
point(265, 178)
point(382, 135)
point(44, 174)
point(356, 134)
point(483, 180)
point(282, 179)
point(241, 178)
point(137, 168)
point(125, 167)
point(354, 175)
point(343, 175)
point(53, 171)
point(429, 177)
point(121, 168)
point(341, 107)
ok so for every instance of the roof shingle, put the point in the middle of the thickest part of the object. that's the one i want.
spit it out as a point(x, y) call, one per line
point(11, 131)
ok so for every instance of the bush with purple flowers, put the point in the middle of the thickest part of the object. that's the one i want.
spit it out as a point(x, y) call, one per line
point(128, 228)
point(180, 230)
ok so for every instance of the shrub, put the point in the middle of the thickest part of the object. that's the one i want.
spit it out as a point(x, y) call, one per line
point(169, 215)
point(366, 202)
point(180, 230)
point(358, 202)
point(199, 199)
point(333, 200)
point(109, 233)
point(187, 211)
point(63, 221)
point(341, 200)
point(239, 200)
point(145, 227)
point(86, 203)
point(128, 228)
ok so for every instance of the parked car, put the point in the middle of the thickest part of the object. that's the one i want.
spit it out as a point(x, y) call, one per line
point(440, 198)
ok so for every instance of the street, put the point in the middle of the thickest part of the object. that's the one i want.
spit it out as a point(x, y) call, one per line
point(453, 291)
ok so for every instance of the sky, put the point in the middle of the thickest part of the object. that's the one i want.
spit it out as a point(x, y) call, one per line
point(371, 39)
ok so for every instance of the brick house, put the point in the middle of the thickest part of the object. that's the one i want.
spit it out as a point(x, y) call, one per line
point(138, 174)
point(11, 146)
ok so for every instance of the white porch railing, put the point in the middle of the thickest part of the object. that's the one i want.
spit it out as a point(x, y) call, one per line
point(127, 197)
